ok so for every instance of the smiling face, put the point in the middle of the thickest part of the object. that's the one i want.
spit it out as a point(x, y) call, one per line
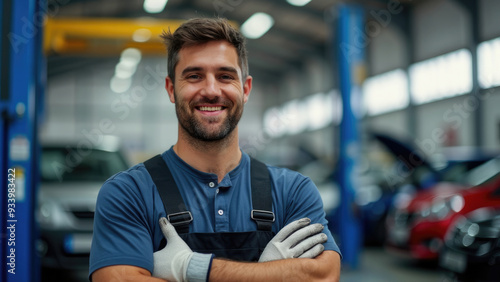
point(209, 92)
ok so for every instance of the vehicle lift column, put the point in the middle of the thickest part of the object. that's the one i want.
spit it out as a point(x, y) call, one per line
point(349, 44)
point(21, 71)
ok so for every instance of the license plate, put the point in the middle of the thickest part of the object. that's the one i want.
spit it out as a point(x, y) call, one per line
point(454, 261)
point(78, 243)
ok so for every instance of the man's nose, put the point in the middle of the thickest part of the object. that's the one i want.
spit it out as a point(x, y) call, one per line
point(211, 87)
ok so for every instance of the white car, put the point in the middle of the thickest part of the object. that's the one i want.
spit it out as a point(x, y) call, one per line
point(71, 176)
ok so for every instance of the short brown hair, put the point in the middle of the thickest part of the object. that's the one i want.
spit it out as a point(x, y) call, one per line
point(202, 30)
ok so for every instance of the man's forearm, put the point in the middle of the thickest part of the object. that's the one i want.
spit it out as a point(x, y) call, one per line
point(121, 273)
point(325, 267)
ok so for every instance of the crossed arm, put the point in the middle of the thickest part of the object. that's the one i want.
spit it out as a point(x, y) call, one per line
point(325, 267)
point(298, 240)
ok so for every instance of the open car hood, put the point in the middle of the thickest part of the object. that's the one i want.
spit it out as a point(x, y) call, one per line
point(404, 151)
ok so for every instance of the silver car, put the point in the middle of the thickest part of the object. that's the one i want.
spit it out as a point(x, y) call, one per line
point(72, 175)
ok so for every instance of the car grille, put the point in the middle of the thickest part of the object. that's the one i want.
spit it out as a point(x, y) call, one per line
point(83, 214)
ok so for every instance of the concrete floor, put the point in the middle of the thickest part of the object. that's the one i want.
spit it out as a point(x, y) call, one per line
point(376, 265)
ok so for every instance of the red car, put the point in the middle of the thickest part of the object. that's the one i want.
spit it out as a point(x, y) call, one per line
point(417, 226)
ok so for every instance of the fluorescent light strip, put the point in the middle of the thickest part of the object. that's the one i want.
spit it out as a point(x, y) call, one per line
point(257, 25)
point(296, 116)
point(386, 92)
point(488, 54)
point(124, 70)
point(298, 3)
point(317, 111)
point(154, 6)
point(141, 35)
point(441, 77)
point(120, 85)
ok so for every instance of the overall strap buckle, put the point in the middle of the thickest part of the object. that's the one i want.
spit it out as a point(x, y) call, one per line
point(262, 201)
point(180, 218)
point(263, 215)
point(177, 213)
point(264, 219)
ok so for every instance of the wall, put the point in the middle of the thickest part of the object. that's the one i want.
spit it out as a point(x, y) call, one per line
point(143, 117)
point(489, 21)
point(387, 51)
point(76, 103)
point(439, 27)
point(454, 115)
point(491, 118)
point(393, 123)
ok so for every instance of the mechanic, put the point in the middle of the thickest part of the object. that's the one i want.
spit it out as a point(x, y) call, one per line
point(223, 207)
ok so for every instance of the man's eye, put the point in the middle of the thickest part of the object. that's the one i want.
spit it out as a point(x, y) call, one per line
point(226, 77)
point(193, 76)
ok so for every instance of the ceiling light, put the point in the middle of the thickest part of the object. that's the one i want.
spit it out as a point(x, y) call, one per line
point(257, 25)
point(125, 69)
point(154, 6)
point(488, 54)
point(131, 55)
point(141, 35)
point(120, 85)
point(386, 92)
point(441, 77)
point(298, 2)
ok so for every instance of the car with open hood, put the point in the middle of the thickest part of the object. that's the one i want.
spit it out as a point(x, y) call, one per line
point(418, 225)
point(384, 183)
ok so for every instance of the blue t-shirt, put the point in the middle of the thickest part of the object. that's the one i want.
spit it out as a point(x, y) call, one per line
point(126, 228)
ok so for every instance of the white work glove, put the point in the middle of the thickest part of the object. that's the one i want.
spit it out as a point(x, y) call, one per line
point(177, 262)
point(296, 240)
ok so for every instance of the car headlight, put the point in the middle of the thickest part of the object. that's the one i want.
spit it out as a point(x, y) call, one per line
point(442, 208)
point(457, 203)
point(51, 215)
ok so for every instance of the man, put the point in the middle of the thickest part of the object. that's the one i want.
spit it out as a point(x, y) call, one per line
point(209, 83)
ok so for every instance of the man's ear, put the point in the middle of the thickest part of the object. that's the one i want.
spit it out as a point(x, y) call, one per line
point(169, 86)
point(247, 88)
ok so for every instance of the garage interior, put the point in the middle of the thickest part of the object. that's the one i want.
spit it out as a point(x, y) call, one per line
point(375, 100)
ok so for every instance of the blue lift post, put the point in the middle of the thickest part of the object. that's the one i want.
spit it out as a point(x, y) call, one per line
point(349, 47)
point(21, 87)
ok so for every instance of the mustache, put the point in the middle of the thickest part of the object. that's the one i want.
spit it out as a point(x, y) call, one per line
point(215, 100)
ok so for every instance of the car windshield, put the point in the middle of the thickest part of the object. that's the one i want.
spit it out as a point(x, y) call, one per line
point(483, 172)
point(66, 164)
point(455, 170)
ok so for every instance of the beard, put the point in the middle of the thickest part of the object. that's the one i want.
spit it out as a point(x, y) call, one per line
point(215, 130)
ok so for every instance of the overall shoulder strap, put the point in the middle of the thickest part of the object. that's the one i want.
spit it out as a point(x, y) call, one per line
point(173, 203)
point(262, 200)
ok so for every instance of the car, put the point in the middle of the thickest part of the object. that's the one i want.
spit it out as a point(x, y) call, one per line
point(472, 246)
point(71, 175)
point(396, 169)
point(417, 226)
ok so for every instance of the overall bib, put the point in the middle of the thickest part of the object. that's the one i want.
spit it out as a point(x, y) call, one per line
point(239, 246)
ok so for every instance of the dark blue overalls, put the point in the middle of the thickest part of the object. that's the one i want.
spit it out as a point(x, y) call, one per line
point(240, 246)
